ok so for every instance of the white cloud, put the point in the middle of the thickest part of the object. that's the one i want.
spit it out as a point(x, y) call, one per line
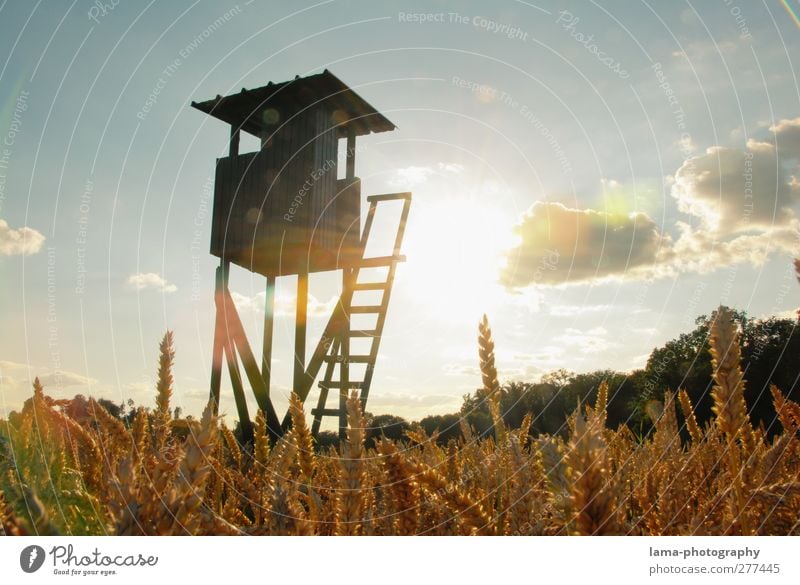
point(732, 190)
point(413, 175)
point(151, 280)
point(63, 379)
point(409, 399)
point(16, 383)
point(702, 251)
point(461, 369)
point(6, 365)
point(575, 310)
point(454, 168)
point(545, 356)
point(787, 314)
point(22, 241)
point(592, 340)
point(284, 305)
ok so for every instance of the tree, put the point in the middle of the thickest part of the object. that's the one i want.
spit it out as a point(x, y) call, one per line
point(385, 425)
point(447, 425)
point(769, 351)
point(558, 378)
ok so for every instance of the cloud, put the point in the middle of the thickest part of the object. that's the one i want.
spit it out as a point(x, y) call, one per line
point(787, 314)
point(545, 356)
point(387, 400)
point(151, 280)
point(415, 175)
point(63, 379)
point(284, 305)
point(461, 369)
point(22, 241)
point(454, 168)
point(786, 135)
point(575, 310)
point(593, 340)
point(732, 190)
point(559, 244)
point(6, 365)
point(741, 200)
point(16, 383)
point(702, 251)
point(411, 176)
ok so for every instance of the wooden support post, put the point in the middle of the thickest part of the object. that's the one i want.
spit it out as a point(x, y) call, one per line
point(351, 153)
point(315, 363)
point(216, 353)
point(227, 337)
point(233, 147)
point(301, 314)
point(238, 393)
point(269, 318)
point(344, 344)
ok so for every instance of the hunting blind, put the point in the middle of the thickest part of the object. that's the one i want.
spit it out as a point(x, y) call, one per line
point(285, 210)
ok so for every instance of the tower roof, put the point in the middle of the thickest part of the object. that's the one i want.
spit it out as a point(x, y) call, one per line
point(246, 109)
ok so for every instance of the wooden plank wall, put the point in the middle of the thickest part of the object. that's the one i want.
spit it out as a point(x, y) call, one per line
point(300, 151)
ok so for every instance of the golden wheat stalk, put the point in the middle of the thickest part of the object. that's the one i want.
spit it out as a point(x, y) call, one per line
point(303, 439)
point(194, 469)
point(234, 451)
point(164, 383)
point(404, 488)
point(788, 411)
point(730, 408)
point(688, 414)
point(350, 501)
point(601, 404)
point(593, 495)
point(728, 392)
point(468, 511)
point(491, 384)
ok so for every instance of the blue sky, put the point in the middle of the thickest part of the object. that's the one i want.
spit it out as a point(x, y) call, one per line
point(598, 149)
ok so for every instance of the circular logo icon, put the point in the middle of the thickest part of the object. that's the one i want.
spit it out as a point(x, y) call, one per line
point(31, 558)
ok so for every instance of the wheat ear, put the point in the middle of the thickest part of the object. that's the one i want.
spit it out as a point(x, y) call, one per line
point(403, 486)
point(688, 415)
point(350, 502)
point(194, 471)
point(729, 405)
point(491, 385)
point(303, 439)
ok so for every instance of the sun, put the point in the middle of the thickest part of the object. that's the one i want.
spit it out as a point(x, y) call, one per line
point(455, 250)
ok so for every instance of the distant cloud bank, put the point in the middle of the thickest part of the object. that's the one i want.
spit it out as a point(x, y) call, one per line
point(740, 201)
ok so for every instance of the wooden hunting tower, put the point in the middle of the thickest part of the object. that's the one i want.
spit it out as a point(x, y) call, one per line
point(287, 210)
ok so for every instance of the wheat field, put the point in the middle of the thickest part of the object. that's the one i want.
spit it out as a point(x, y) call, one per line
point(63, 473)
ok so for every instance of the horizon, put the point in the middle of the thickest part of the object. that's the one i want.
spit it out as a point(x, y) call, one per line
point(592, 207)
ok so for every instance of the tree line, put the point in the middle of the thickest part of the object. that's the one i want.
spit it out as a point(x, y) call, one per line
point(770, 348)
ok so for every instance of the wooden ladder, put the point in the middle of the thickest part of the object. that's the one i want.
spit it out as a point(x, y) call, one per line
point(334, 347)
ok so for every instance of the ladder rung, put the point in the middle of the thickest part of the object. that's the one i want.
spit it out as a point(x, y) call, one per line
point(389, 197)
point(325, 412)
point(364, 333)
point(380, 261)
point(353, 359)
point(367, 309)
point(370, 286)
point(337, 384)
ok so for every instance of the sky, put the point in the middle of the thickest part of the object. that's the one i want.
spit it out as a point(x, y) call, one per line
point(591, 175)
